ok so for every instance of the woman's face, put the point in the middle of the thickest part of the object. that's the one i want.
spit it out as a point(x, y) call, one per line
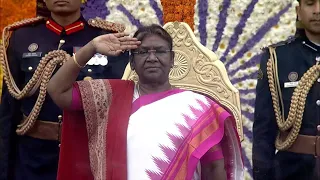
point(153, 60)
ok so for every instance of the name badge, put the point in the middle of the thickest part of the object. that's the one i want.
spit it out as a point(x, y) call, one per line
point(31, 54)
point(291, 84)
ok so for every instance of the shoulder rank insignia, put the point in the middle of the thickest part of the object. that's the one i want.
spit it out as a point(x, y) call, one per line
point(6, 30)
point(106, 25)
point(281, 43)
point(24, 22)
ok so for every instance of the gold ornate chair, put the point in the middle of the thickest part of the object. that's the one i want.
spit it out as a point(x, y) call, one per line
point(198, 69)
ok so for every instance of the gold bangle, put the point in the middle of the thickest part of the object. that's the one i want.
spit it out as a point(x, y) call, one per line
point(76, 62)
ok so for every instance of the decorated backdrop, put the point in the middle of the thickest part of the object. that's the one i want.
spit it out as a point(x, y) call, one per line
point(235, 30)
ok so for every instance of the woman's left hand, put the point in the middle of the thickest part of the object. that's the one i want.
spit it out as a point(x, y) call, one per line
point(114, 44)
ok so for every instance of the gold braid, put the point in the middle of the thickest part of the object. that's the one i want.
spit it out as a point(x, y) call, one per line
point(40, 78)
point(106, 25)
point(44, 70)
point(298, 100)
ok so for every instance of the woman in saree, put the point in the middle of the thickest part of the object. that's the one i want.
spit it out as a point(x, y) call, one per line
point(118, 130)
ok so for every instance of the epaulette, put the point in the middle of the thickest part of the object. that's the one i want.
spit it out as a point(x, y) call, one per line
point(16, 25)
point(24, 22)
point(106, 25)
point(281, 43)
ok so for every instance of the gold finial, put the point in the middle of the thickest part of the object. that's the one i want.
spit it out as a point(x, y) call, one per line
point(83, 1)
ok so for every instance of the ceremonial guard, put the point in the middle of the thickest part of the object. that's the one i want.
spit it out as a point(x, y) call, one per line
point(31, 52)
point(286, 141)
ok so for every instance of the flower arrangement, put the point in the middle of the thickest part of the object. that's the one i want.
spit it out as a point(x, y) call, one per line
point(135, 13)
point(235, 30)
point(12, 11)
point(179, 10)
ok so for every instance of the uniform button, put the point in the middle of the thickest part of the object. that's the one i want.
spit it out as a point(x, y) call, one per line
point(318, 127)
point(59, 145)
point(60, 117)
point(90, 70)
point(30, 68)
point(318, 102)
point(318, 79)
point(87, 78)
point(62, 41)
point(318, 58)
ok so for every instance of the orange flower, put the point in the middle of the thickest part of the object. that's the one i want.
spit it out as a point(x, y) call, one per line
point(178, 17)
point(13, 10)
point(178, 10)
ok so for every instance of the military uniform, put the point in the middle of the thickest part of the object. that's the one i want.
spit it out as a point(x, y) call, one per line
point(34, 155)
point(294, 58)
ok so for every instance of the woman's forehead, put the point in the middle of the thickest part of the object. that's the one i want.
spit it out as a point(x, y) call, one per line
point(153, 41)
point(156, 46)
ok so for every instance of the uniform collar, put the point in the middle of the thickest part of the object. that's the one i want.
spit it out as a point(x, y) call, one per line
point(306, 42)
point(312, 50)
point(71, 28)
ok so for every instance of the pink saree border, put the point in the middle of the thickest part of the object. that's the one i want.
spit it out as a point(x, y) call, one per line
point(187, 154)
point(212, 156)
point(151, 98)
point(215, 116)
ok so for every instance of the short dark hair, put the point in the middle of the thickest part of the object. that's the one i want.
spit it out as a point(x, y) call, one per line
point(153, 29)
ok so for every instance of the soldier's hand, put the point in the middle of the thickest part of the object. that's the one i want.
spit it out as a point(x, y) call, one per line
point(114, 44)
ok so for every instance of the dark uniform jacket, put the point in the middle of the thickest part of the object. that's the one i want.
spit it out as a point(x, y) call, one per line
point(24, 156)
point(295, 57)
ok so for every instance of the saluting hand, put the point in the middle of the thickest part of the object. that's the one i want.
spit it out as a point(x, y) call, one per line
point(114, 44)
